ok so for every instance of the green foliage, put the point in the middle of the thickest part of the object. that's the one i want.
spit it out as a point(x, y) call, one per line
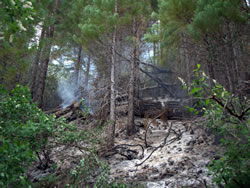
point(17, 28)
point(14, 15)
point(174, 17)
point(210, 15)
point(196, 18)
point(24, 133)
point(90, 165)
point(97, 18)
point(229, 117)
point(24, 130)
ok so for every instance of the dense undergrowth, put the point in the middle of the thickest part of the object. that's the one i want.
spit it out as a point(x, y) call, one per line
point(28, 137)
point(228, 116)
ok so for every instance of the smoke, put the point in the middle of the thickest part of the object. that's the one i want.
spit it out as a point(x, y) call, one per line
point(67, 92)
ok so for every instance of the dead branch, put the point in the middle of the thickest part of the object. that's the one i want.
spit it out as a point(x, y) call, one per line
point(230, 111)
point(114, 150)
point(161, 145)
point(148, 125)
point(158, 81)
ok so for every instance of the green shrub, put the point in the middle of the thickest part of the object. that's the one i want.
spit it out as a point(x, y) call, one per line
point(26, 134)
point(228, 116)
point(24, 130)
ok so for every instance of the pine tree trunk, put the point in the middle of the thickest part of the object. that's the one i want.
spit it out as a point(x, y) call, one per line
point(86, 82)
point(232, 58)
point(154, 53)
point(45, 60)
point(137, 61)
point(112, 86)
point(228, 59)
point(35, 66)
point(77, 68)
point(210, 60)
point(131, 93)
point(130, 126)
point(43, 70)
point(186, 60)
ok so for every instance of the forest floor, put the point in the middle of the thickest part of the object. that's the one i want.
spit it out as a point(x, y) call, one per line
point(181, 161)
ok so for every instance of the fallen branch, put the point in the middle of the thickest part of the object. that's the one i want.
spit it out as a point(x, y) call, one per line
point(148, 125)
point(115, 150)
point(161, 145)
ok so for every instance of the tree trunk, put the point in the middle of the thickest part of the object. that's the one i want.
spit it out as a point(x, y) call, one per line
point(86, 82)
point(112, 86)
point(227, 57)
point(45, 60)
point(131, 93)
point(232, 57)
point(130, 126)
point(186, 59)
point(43, 69)
point(154, 53)
point(210, 60)
point(77, 68)
point(35, 66)
point(137, 34)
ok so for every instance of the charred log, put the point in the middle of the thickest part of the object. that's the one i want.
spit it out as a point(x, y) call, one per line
point(70, 113)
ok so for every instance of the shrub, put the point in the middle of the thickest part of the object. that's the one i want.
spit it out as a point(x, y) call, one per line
point(27, 136)
point(24, 130)
point(228, 116)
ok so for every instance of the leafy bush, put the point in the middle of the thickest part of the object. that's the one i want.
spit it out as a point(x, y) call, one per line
point(228, 116)
point(28, 135)
point(24, 130)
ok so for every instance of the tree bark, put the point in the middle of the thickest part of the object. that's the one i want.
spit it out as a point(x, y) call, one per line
point(36, 64)
point(45, 60)
point(131, 94)
point(77, 67)
point(210, 60)
point(186, 59)
point(232, 58)
point(154, 53)
point(225, 41)
point(86, 82)
point(112, 87)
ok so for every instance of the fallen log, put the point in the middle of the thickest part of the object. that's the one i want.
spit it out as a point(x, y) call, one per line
point(71, 113)
point(71, 108)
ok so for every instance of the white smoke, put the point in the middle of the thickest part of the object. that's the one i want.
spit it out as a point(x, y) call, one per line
point(67, 92)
